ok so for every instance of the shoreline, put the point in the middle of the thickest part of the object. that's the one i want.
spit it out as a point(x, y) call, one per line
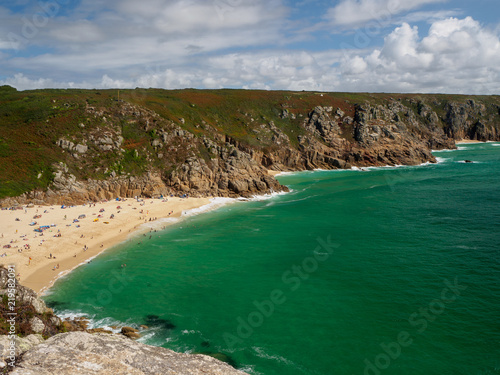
point(42, 258)
point(468, 141)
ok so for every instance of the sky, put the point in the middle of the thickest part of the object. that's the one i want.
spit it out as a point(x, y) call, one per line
point(413, 46)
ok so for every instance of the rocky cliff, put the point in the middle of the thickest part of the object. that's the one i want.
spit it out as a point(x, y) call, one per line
point(87, 145)
point(36, 344)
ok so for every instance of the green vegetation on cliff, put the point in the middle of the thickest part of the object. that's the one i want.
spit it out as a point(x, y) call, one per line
point(103, 133)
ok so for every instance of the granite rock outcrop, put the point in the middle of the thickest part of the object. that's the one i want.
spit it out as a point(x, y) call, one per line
point(103, 354)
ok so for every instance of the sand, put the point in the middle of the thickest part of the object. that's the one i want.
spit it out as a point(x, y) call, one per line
point(273, 173)
point(31, 251)
point(464, 141)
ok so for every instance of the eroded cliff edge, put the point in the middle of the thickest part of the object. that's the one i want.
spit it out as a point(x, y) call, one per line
point(72, 146)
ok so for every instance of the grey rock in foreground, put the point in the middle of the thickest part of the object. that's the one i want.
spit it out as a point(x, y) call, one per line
point(102, 354)
point(22, 344)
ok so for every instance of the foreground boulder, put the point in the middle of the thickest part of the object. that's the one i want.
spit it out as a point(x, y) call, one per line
point(101, 354)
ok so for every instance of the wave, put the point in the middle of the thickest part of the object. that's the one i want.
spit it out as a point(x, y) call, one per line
point(191, 332)
point(115, 326)
point(286, 173)
point(260, 352)
point(385, 167)
point(265, 197)
point(157, 224)
point(298, 199)
point(496, 144)
point(105, 323)
point(214, 204)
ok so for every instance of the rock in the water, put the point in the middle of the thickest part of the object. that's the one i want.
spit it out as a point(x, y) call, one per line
point(100, 354)
point(128, 330)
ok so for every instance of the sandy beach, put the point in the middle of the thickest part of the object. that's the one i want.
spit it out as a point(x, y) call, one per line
point(64, 241)
point(463, 141)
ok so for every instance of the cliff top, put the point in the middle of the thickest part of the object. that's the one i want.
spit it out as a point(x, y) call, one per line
point(100, 134)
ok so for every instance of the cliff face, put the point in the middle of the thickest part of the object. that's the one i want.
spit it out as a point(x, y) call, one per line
point(222, 143)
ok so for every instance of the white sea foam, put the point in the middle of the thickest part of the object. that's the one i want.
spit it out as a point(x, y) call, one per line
point(213, 205)
point(160, 222)
point(262, 354)
point(105, 323)
point(265, 197)
point(426, 164)
point(496, 144)
point(450, 149)
point(286, 173)
point(190, 332)
point(146, 336)
point(442, 160)
point(383, 167)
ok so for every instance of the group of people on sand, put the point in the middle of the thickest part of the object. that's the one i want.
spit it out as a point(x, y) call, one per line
point(142, 207)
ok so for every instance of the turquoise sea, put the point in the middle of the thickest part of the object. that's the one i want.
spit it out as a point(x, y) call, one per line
point(375, 271)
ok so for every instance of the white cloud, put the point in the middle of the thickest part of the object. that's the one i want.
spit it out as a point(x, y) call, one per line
point(119, 49)
point(114, 35)
point(78, 32)
point(356, 12)
point(457, 55)
point(21, 82)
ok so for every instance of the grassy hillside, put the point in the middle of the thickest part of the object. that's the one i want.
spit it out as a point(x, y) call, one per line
point(31, 123)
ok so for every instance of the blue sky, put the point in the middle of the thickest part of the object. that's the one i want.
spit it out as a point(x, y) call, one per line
point(443, 46)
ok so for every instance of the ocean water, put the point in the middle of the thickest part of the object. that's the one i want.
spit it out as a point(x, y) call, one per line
point(375, 271)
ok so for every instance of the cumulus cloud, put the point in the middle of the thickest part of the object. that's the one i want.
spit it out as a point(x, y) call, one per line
point(457, 55)
point(356, 12)
point(156, 43)
point(118, 34)
point(82, 31)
